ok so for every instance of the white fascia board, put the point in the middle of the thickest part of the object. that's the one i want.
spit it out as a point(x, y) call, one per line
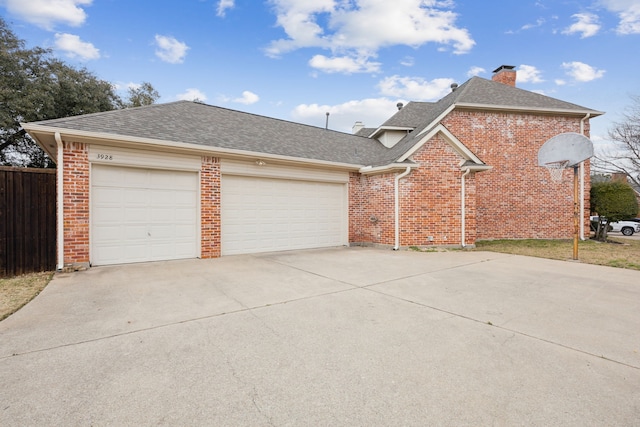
point(450, 138)
point(182, 147)
point(528, 109)
point(476, 168)
point(382, 129)
point(373, 170)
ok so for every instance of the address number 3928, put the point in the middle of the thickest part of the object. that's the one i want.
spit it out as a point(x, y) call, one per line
point(101, 156)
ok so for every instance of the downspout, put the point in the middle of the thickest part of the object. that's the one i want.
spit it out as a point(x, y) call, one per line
point(397, 206)
point(582, 181)
point(463, 224)
point(60, 201)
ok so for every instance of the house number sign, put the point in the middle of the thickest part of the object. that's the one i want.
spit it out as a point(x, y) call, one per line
point(101, 156)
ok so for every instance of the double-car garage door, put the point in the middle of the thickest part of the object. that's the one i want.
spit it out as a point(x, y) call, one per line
point(141, 214)
point(269, 214)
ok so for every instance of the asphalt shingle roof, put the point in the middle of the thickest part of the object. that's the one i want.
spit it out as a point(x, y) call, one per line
point(201, 124)
point(206, 125)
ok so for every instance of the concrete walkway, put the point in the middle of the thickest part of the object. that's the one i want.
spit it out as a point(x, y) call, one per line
point(340, 337)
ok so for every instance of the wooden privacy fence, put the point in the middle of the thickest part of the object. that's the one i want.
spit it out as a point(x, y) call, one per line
point(27, 220)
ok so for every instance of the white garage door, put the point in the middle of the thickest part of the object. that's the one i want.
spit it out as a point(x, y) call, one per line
point(265, 214)
point(142, 215)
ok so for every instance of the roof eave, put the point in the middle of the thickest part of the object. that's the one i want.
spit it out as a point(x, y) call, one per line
point(41, 133)
point(582, 112)
point(382, 129)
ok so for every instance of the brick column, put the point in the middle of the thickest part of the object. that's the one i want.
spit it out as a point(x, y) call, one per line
point(210, 208)
point(76, 204)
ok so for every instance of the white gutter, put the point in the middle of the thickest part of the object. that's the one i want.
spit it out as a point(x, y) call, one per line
point(370, 170)
point(397, 206)
point(176, 146)
point(60, 201)
point(463, 224)
point(582, 181)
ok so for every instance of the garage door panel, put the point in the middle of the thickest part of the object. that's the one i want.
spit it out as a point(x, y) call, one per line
point(268, 214)
point(142, 214)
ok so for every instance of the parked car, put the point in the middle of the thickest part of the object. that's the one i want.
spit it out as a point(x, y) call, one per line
point(626, 227)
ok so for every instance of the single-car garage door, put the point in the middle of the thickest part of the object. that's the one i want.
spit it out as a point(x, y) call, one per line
point(266, 214)
point(142, 215)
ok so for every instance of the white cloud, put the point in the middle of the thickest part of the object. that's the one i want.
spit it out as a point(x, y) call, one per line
point(192, 95)
point(586, 25)
point(372, 112)
point(359, 28)
point(76, 48)
point(415, 88)
point(475, 71)
point(343, 64)
point(528, 74)
point(539, 22)
point(247, 98)
point(629, 13)
point(223, 5)
point(581, 72)
point(408, 61)
point(46, 13)
point(170, 50)
point(560, 82)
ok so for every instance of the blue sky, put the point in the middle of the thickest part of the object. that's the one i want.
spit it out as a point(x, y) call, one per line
point(298, 59)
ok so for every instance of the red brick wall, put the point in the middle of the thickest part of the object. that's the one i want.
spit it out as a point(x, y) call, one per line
point(517, 199)
point(371, 209)
point(430, 206)
point(210, 207)
point(76, 203)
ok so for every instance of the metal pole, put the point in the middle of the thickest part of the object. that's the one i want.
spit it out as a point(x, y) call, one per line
point(576, 212)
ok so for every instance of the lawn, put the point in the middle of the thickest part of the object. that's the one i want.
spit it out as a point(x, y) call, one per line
point(617, 252)
point(17, 291)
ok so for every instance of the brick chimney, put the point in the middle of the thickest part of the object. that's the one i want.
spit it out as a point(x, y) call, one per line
point(505, 74)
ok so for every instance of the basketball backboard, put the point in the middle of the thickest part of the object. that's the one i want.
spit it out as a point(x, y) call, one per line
point(570, 147)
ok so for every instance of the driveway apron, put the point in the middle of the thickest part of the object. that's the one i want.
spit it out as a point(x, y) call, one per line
point(342, 336)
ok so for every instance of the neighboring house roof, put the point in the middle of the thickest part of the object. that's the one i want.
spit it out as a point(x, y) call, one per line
point(221, 129)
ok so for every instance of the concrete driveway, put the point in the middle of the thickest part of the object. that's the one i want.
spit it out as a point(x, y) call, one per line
point(344, 337)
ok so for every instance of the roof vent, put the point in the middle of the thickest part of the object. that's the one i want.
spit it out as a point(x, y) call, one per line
point(399, 105)
point(454, 86)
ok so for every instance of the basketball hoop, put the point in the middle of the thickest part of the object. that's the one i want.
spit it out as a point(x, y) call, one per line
point(556, 168)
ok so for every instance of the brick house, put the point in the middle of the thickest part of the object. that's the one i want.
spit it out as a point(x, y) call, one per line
point(187, 180)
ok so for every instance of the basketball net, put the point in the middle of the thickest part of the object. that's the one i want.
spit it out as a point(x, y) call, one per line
point(555, 169)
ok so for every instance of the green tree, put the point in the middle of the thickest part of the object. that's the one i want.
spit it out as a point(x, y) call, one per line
point(612, 201)
point(624, 155)
point(36, 86)
point(145, 94)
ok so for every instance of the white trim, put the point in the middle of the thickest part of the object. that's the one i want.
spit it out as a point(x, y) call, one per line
point(382, 129)
point(99, 138)
point(264, 169)
point(455, 143)
point(391, 167)
point(118, 156)
point(526, 109)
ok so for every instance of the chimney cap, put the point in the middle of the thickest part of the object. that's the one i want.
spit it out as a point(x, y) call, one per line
point(504, 67)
